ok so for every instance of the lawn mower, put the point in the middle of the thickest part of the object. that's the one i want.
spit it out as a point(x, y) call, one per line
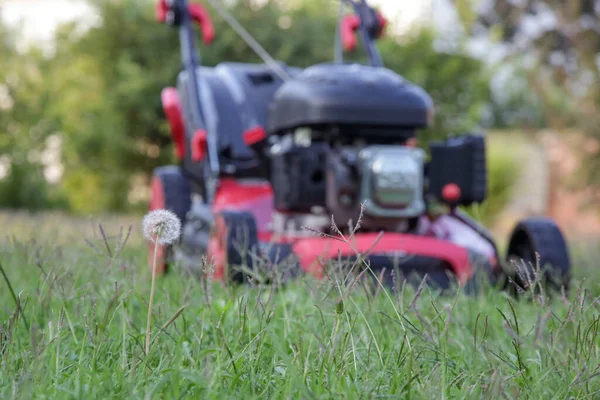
point(267, 150)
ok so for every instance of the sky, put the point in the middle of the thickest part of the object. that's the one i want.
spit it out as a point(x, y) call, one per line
point(38, 18)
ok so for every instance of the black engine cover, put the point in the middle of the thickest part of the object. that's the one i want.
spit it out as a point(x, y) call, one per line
point(349, 94)
point(298, 177)
point(462, 161)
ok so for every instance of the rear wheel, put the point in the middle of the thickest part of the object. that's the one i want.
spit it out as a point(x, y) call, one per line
point(170, 191)
point(539, 237)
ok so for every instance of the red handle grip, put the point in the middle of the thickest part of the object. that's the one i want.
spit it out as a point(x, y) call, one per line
point(172, 109)
point(350, 25)
point(382, 24)
point(161, 11)
point(198, 14)
point(202, 18)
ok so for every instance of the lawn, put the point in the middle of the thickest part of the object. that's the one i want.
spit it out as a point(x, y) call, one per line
point(84, 300)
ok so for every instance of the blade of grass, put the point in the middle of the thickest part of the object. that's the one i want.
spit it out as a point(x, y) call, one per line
point(14, 296)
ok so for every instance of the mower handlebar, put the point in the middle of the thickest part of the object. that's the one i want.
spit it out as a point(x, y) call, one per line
point(350, 25)
point(197, 13)
point(373, 21)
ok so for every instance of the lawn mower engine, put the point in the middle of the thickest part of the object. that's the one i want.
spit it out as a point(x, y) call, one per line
point(383, 183)
point(339, 136)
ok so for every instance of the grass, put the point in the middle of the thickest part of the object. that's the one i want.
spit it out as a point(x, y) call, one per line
point(85, 301)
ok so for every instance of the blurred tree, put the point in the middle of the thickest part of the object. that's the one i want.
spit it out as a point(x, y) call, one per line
point(514, 105)
point(559, 42)
point(457, 83)
point(24, 126)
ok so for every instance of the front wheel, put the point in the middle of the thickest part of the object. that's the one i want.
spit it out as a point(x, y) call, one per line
point(541, 238)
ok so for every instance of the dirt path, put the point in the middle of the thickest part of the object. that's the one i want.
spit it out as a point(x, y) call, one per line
point(548, 163)
point(576, 209)
point(531, 190)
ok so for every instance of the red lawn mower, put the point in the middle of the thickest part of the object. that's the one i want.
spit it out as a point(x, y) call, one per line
point(268, 149)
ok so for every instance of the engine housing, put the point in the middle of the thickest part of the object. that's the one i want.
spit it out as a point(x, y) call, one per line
point(392, 181)
point(386, 180)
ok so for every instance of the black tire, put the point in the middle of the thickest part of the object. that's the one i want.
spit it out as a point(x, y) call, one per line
point(242, 242)
point(176, 190)
point(174, 195)
point(542, 237)
point(285, 264)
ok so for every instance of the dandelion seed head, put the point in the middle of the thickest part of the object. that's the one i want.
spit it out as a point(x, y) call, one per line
point(162, 226)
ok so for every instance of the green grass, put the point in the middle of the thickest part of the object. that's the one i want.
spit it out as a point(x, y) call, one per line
point(85, 312)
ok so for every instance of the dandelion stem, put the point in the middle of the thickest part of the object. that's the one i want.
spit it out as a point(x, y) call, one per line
point(162, 227)
point(151, 296)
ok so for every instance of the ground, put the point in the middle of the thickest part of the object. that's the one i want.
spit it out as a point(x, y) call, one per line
point(84, 300)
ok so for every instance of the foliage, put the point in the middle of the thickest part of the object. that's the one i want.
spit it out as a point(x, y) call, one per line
point(84, 313)
point(559, 42)
point(100, 90)
point(458, 83)
point(515, 105)
point(25, 125)
point(502, 173)
point(24, 186)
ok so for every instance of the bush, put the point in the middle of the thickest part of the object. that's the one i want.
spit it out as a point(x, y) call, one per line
point(502, 173)
point(25, 187)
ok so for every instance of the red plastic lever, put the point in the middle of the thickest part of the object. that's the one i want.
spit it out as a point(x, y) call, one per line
point(254, 135)
point(202, 18)
point(198, 14)
point(161, 11)
point(199, 145)
point(172, 109)
point(382, 24)
point(350, 24)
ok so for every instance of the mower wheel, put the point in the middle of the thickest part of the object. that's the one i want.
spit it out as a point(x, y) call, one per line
point(539, 237)
point(170, 191)
point(232, 244)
